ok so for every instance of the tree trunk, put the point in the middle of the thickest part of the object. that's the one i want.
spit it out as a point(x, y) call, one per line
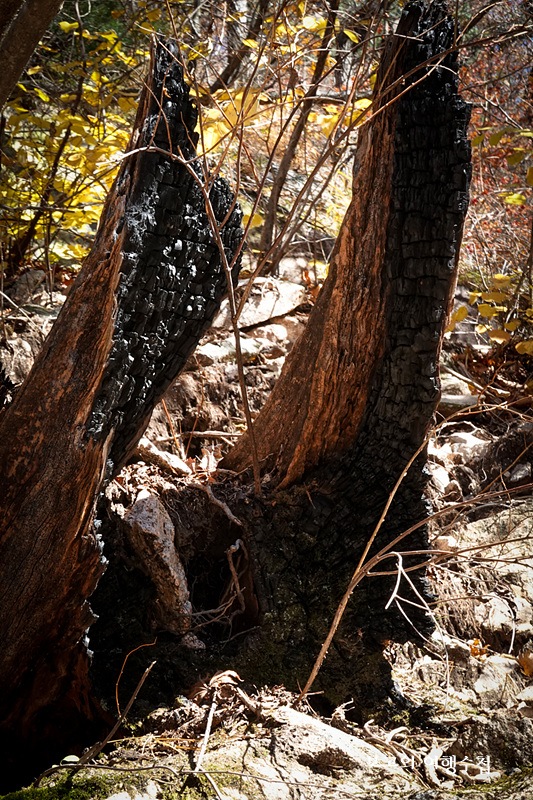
point(150, 286)
point(22, 25)
point(352, 407)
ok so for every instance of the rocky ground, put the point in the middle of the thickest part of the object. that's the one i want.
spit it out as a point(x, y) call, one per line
point(468, 719)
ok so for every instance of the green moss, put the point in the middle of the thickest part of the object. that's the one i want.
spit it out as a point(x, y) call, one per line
point(96, 786)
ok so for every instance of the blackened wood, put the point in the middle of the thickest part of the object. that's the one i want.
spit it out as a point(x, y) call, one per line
point(149, 287)
point(361, 386)
point(351, 408)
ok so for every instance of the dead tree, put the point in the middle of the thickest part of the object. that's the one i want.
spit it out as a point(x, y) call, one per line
point(149, 288)
point(351, 408)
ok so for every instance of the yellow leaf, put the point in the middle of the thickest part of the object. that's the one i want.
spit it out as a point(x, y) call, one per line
point(458, 316)
point(109, 36)
point(254, 222)
point(352, 36)
point(516, 157)
point(118, 13)
point(473, 297)
point(478, 139)
point(496, 137)
point(495, 297)
point(486, 310)
point(44, 97)
point(154, 14)
point(250, 43)
point(512, 325)
point(500, 281)
point(525, 348)
point(126, 104)
point(500, 336)
point(515, 199)
point(529, 178)
point(68, 26)
point(34, 70)
point(313, 23)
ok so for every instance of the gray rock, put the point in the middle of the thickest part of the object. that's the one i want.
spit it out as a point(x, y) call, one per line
point(151, 534)
point(506, 738)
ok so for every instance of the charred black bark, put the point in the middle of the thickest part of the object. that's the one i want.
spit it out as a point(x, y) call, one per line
point(304, 541)
point(149, 287)
point(172, 277)
point(307, 544)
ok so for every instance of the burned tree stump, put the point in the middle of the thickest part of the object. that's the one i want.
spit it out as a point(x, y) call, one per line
point(148, 289)
point(358, 394)
point(352, 407)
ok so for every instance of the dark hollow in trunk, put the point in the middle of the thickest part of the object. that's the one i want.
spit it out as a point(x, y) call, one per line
point(149, 288)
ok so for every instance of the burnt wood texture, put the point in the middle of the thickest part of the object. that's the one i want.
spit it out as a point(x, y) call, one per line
point(150, 286)
point(363, 381)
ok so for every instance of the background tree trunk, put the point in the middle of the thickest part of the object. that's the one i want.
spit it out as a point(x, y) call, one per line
point(22, 25)
point(150, 286)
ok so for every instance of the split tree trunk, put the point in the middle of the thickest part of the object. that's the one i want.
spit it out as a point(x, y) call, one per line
point(353, 405)
point(149, 288)
point(351, 408)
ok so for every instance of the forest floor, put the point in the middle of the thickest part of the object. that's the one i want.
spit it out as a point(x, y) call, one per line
point(467, 723)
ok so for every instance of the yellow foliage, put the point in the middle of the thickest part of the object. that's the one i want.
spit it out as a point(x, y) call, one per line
point(458, 316)
point(525, 348)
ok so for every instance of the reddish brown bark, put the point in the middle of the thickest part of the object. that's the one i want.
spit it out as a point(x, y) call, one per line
point(150, 285)
point(22, 24)
point(318, 403)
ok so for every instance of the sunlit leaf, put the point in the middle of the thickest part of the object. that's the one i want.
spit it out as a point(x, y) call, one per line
point(44, 97)
point(486, 310)
point(352, 36)
point(458, 315)
point(500, 336)
point(313, 23)
point(515, 199)
point(525, 348)
point(68, 26)
point(254, 222)
point(494, 297)
point(500, 281)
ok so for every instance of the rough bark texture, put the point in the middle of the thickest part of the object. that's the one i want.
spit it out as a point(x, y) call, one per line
point(150, 286)
point(371, 347)
point(22, 24)
point(352, 407)
point(366, 373)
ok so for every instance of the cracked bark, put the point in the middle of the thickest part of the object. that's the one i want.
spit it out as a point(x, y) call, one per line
point(352, 406)
point(150, 286)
